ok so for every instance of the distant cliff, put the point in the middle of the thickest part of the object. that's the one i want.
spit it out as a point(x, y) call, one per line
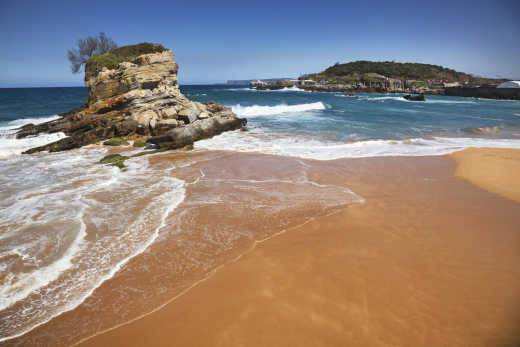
point(133, 91)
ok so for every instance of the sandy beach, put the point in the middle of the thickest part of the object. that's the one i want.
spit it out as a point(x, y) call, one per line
point(410, 254)
point(428, 259)
point(493, 169)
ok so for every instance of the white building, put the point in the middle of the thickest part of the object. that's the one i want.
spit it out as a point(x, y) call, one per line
point(510, 84)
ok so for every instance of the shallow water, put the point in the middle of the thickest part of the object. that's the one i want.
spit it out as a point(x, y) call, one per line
point(68, 224)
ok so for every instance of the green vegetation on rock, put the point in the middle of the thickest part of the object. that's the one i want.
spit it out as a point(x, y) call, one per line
point(370, 71)
point(114, 160)
point(126, 53)
point(119, 160)
point(153, 151)
point(396, 70)
point(139, 144)
point(187, 148)
point(116, 141)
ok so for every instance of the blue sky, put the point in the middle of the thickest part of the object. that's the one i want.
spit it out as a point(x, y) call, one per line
point(220, 40)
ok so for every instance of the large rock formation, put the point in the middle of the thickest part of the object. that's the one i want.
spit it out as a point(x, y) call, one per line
point(140, 96)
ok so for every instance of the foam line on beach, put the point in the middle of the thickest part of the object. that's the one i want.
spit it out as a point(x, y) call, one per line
point(41, 277)
point(308, 148)
point(173, 194)
point(214, 271)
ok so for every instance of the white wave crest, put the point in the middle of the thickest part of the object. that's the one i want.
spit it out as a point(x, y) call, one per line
point(10, 145)
point(401, 98)
point(15, 124)
point(298, 146)
point(257, 110)
point(436, 101)
point(288, 89)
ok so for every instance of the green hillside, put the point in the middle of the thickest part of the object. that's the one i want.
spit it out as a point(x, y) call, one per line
point(410, 71)
point(126, 53)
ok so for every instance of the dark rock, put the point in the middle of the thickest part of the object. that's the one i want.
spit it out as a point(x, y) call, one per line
point(186, 135)
point(152, 146)
point(419, 97)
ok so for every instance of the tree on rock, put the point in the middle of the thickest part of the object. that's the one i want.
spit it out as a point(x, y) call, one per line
point(99, 44)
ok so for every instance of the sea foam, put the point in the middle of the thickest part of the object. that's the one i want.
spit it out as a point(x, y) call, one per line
point(401, 98)
point(10, 145)
point(257, 110)
point(90, 220)
point(292, 145)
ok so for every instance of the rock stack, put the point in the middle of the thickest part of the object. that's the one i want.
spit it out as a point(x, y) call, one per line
point(139, 96)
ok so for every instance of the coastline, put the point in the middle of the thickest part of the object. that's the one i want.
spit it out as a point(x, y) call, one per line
point(414, 223)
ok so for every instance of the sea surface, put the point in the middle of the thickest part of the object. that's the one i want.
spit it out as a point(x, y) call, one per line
point(68, 224)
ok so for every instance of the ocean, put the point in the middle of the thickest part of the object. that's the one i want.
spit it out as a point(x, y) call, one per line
point(67, 224)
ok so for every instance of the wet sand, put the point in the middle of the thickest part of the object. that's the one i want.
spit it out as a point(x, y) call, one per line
point(428, 259)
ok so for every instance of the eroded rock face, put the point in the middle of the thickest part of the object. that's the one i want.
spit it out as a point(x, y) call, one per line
point(138, 97)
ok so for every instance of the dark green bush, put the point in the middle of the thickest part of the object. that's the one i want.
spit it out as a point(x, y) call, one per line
point(126, 53)
point(396, 70)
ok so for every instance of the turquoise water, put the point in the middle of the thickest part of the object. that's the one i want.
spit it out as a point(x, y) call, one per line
point(366, 116)
point(312, 125)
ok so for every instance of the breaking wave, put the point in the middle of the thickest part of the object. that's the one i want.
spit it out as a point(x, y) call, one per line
point(259, 141)
point(257, 110)
point(10, 145)
point(90, 220)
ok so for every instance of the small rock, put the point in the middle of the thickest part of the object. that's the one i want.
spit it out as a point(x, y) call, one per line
point(188, 115)
point(152, 146)
point(170, 112)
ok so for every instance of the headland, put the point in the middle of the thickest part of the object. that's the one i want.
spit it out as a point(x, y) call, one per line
point(394, 77)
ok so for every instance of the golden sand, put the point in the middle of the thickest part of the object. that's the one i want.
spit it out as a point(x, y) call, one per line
point(427, 260)
point(493, 169)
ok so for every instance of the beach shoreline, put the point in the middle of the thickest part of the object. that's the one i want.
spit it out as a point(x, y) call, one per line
point(405, 198)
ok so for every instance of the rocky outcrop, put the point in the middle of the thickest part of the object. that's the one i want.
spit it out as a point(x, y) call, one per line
point(410, 97)
point(276, 85)
point(142, 97)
